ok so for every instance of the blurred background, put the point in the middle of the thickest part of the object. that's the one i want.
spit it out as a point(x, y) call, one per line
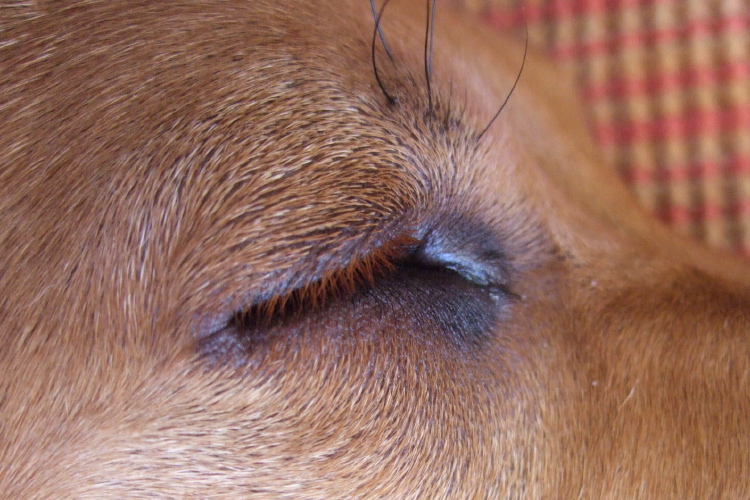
point(666, 84)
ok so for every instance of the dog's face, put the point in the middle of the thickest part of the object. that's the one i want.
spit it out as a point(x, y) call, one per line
point(241, 257)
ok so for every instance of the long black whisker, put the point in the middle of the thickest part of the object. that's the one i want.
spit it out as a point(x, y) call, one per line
point(518, 77)
point(380, 31)
point(378, 17)
point(428, 37)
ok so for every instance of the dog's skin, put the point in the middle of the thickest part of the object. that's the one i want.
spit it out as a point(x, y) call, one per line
point(233, 265)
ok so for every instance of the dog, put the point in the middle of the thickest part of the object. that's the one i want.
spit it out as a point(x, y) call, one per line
point(278, 249)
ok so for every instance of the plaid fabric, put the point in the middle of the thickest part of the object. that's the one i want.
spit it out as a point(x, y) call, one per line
point(667, 85)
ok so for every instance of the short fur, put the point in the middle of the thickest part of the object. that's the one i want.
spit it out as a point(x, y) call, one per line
point(445, 315)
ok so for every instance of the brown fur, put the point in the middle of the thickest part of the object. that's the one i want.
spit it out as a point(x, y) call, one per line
point(171, 170)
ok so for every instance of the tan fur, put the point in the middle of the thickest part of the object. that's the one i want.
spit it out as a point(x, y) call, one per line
point(164, 166)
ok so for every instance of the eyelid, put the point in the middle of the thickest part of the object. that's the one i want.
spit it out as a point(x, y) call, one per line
point(472, 252)
point(472, 271)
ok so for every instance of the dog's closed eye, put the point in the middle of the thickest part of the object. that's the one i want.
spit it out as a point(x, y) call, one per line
point(427, 282)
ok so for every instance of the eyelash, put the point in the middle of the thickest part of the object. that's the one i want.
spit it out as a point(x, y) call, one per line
point(360, 274)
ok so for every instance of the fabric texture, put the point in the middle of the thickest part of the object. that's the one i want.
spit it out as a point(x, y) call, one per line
point(666, 84)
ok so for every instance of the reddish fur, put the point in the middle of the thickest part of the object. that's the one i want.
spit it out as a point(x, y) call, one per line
point(164, 165)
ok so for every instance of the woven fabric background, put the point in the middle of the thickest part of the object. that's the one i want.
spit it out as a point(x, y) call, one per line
point(667, 87)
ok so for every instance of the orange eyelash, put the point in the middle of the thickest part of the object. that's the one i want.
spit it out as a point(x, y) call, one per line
point(359, 274)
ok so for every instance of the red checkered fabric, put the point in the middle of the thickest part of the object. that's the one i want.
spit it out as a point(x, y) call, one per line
point(667, 86)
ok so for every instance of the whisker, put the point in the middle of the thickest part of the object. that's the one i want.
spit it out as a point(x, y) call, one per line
point(518, 77)
point(378, 17)
point(380, 31)
point(428, 39)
